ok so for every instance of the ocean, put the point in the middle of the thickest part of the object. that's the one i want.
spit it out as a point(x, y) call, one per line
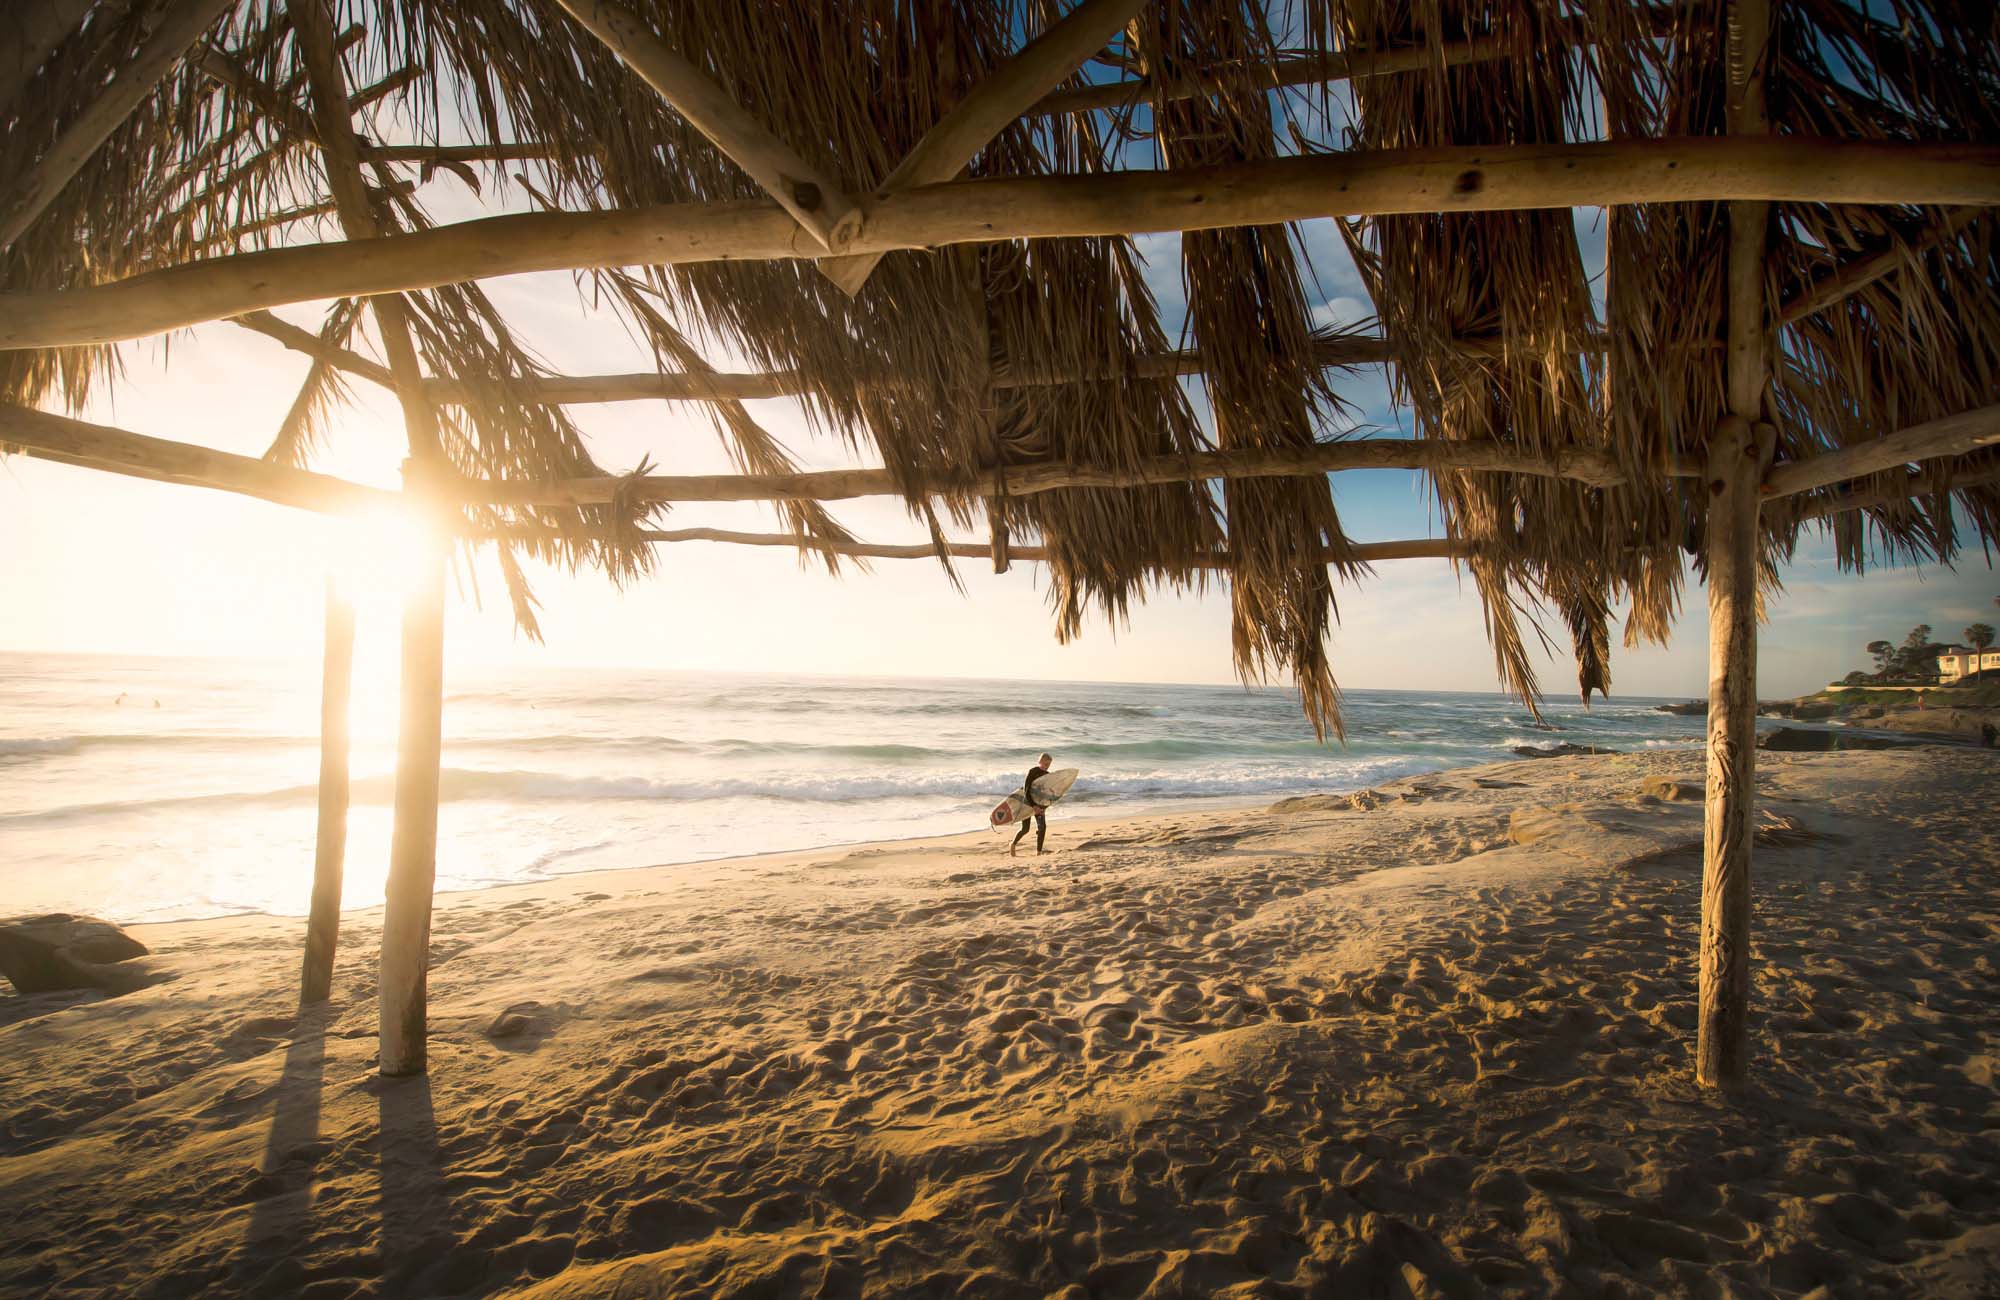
point(162, 789)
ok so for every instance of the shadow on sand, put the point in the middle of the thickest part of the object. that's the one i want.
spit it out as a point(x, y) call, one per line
point(283, 1186)
point(415, 1243)
point(420, 1249)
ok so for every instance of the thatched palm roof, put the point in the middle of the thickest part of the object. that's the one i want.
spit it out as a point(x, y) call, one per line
point(1487, 317)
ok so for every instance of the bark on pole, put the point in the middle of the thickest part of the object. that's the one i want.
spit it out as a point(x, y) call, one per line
point(1738, 454)
point(330, 854)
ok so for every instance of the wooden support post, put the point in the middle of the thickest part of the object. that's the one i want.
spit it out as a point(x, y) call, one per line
point(1738, 454)
point(406, 913)
point(329, 856)
point(1732, 539)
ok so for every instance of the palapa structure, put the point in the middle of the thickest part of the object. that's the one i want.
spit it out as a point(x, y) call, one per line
point(916, 218)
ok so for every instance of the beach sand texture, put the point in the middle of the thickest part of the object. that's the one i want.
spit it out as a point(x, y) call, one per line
point(1430, 1042)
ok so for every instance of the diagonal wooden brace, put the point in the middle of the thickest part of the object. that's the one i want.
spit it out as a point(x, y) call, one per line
point(819, 205)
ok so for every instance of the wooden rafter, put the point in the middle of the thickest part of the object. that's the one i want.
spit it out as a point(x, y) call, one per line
point(727, 386)
point(1851, 278)
point(1313, 69)
point(119, 451)
point(292, 121)
point(449, 154)
point(1002, 97)
point(1953, 435)
point(819, 206)
point(1453, 179)
point(1595, 468)
point(1421, 548)
point(1910, 485)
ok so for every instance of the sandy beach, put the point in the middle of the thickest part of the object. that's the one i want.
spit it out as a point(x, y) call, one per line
point(1431, 1040)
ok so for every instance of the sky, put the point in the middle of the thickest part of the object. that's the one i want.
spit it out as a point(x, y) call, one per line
point(95, 562)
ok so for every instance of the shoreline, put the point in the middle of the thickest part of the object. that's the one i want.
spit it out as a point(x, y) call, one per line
point(1136, 810)
point(1437, 1039)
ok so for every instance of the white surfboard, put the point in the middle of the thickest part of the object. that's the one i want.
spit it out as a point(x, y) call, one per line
point(1050, 788)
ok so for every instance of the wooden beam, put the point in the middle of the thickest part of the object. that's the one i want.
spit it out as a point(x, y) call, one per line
point(1007, 92)
point(1426, 548)
point(402, 985)
point(293, 121)
point(231, 235)
point(1738, 451)
point(1346, 65)
point(1452, 179)
point(1953, 435)
point(815, 200)
point(30, 195)
point(384, 88)
point(1855, 276)
point(330, 846)
point(1595, 468)
point(95, 446)
point(1909, 484)
point(299, 339)
point(727, 386)
point(91, 446)
point(447, 154)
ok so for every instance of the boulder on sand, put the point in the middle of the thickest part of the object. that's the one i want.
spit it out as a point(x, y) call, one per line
point(1795, 740)
point(1563, 750)
point(45, 954)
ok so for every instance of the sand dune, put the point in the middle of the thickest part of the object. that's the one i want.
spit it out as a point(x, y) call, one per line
point(1433, 1042)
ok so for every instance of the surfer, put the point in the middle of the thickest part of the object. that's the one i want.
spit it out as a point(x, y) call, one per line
point(1035, 773)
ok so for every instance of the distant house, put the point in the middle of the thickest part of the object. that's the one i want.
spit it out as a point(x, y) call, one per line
point(1960, 661)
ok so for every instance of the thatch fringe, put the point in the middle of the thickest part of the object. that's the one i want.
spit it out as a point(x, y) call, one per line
point(1889, 310)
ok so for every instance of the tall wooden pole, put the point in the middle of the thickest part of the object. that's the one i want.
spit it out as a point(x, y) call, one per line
point(404, 985)
point(1738, 454)
point(330, 854)
point(406, 913)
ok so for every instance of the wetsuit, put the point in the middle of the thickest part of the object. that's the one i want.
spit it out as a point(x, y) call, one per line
point(1035, 774)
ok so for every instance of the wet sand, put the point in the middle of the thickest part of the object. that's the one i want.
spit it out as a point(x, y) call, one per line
point(1430, 1042)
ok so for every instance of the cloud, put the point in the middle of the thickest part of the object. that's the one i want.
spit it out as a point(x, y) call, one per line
point(1342, 313)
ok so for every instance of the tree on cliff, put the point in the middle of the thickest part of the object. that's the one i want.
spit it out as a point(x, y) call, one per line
point(1917, 656)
